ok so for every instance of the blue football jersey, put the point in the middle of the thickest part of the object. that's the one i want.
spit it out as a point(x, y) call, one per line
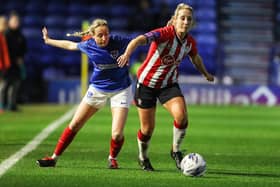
point(106, 75)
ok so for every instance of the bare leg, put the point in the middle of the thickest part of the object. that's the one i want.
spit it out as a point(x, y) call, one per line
point(177, 108)
point(83, 113)
point(147, 122)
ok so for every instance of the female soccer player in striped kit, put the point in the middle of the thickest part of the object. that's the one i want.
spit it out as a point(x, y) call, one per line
point(157, 79)
point(108, 81)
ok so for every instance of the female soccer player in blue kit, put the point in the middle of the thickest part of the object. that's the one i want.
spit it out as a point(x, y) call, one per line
point(108, 81)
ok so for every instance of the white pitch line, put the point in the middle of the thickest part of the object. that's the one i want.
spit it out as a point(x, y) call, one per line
point(30, 146)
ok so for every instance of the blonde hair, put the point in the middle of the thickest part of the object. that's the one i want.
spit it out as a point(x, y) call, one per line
point(176, 12)
point(90, 31)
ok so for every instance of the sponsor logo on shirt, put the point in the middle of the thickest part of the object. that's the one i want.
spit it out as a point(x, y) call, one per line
point(107, 66)
point(169, 60)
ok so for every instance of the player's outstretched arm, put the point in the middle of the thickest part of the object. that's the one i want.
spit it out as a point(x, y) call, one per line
point(197, 61)
point(133, 44)
point(64, 44)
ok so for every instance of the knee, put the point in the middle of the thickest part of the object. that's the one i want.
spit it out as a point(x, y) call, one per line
point(147, 129)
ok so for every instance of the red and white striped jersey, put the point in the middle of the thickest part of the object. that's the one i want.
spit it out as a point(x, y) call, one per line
point(160, 68)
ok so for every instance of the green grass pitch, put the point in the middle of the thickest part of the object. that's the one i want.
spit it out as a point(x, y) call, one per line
point(241, 146)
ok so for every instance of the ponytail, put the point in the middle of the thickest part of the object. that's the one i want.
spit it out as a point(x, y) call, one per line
point(78, 34)
point(96, 23)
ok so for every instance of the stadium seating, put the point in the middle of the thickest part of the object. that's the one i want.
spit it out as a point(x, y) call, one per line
point(36, 8)
point(32, 21)
point(206, 14)
point(55, 21)
point(99, 10)
point(246, 42)
point(77, 10)
point(73, 22)
point(65, 16)
point(120, 11)
point(56, 8)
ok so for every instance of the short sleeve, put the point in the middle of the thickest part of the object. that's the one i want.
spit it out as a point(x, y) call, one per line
point(160, 34)
point(83, 46)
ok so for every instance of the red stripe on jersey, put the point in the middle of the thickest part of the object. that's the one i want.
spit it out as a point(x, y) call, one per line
point(151, 63)
point(168, 64)
point(160, 67)
point(171, 78)
point(164, 69)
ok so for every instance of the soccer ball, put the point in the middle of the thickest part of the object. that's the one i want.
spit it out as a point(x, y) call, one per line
point(193, 164)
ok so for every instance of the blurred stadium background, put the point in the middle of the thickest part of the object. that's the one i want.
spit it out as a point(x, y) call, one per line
point(236, 38)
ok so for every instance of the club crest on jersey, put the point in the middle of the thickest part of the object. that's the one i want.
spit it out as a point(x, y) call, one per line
point(168, 60)
point(114, 53)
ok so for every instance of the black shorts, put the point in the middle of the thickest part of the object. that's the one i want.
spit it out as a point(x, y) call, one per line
point(146, 97)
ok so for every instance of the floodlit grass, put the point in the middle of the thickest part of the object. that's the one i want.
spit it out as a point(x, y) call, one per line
point(239, 144)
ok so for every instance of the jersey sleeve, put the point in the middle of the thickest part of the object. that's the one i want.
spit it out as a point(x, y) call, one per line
point(193, 50)
point(159, 35)
point(83, 46)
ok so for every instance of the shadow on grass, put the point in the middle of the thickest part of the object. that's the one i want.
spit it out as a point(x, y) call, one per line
point(121, 169)
point(237, 173)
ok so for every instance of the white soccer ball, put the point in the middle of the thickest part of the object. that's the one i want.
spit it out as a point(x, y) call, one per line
point(193, 164)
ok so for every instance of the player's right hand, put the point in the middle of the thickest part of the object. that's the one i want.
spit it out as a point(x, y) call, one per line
point(123, 60)
point(209, 77)
point(45, 34)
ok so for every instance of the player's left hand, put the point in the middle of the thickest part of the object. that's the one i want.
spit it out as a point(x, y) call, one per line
point(123, 60)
